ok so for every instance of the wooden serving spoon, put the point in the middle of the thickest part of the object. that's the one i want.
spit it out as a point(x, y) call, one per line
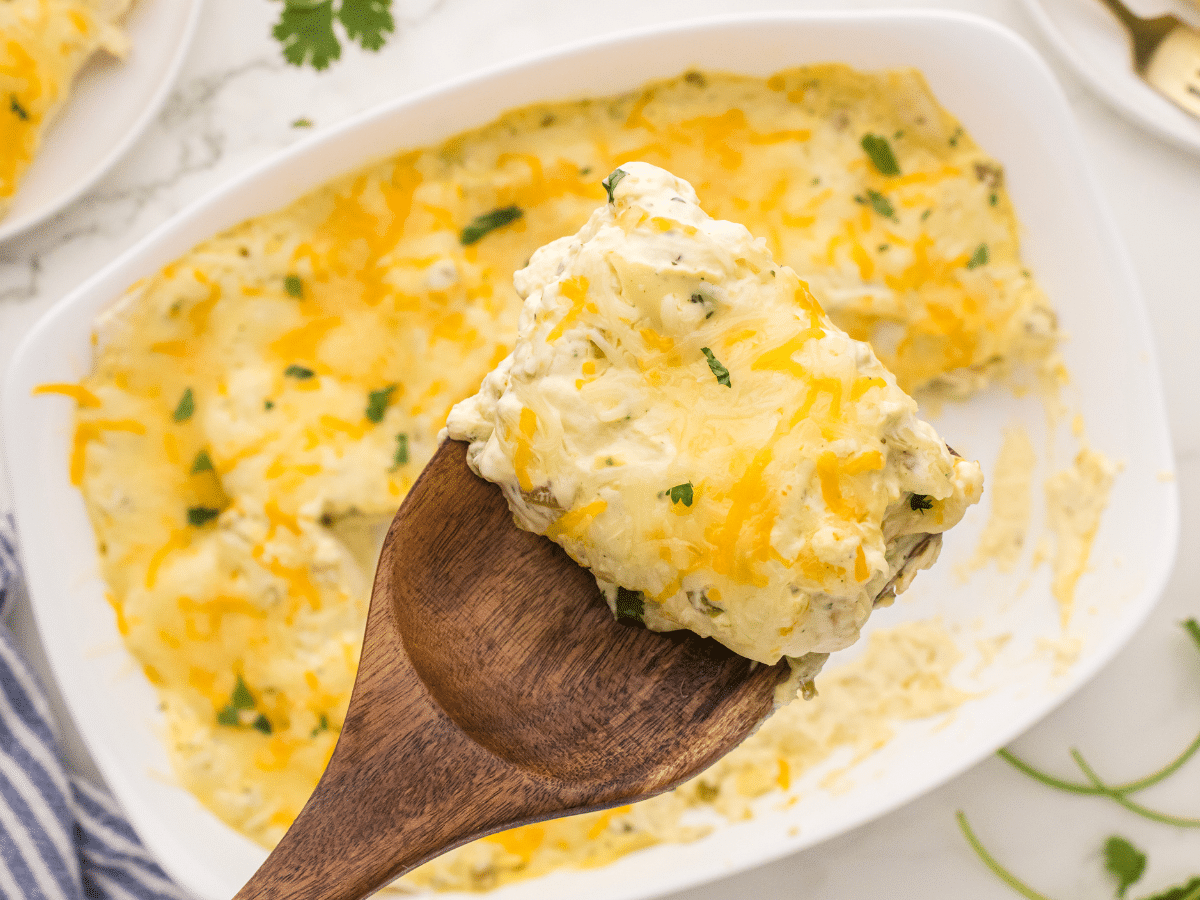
point(496, 689)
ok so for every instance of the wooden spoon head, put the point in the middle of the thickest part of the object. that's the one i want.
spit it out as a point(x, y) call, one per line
point(515, 643)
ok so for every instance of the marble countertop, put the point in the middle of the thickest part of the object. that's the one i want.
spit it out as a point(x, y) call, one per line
point(234, 105)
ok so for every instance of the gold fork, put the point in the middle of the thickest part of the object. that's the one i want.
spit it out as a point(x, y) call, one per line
point(1166, 55)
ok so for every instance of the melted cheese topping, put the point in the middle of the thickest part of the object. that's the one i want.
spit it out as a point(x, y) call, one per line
point(43, 44)
point(366, 284)
point(681, 416)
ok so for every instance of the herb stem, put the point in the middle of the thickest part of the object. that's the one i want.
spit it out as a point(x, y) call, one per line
point(990, 861)
point(1120, 798)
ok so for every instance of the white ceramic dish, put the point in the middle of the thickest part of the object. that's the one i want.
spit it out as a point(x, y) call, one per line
point(1070, 241)
point(1097, 47)
point(110, 106)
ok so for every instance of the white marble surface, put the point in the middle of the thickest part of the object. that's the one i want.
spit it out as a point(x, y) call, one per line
point(234, 106)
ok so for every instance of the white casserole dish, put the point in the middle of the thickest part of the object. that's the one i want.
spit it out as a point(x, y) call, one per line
point(1069, 241)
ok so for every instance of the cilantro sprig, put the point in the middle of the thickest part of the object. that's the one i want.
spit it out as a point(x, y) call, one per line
point(717, 368)
point(307, 34)
point(681, 493)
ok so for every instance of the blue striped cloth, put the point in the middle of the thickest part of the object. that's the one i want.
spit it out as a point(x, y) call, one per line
point(61, 838)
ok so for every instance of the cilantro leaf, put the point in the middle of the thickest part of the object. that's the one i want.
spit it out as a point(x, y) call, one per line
point(920, 502)
point(881, 205)
point(719, 370)
point(681, 493)
point(199, 516)
point(610, 183)
point(1187, 891)
point(1124, 862)
point(367, 21)
point(489, 222)
point(294, 286)
point(1192, 627)
point(630, 604)
point(979, 257)
point(377, 403)
point(300, 372)
point(880, 151)
point(228, 716)
point(18, 110)
point(305, 31)
point(261, 724)
point(185, 407)
point(241, 698)
point(401, 456)
point(302, 122)
point(322, 725)
point(202, 462)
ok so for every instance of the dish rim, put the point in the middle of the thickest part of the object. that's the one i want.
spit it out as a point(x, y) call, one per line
point(1100, 84)
point(15, 226)
point(102, 288)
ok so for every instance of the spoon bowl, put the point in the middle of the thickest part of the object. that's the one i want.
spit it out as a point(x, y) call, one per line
point(495, 689)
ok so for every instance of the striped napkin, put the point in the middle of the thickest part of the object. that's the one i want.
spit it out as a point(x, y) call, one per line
point(61, 838)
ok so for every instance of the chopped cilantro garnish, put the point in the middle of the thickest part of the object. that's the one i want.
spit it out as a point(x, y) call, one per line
point(185, 407)
point(920, 502)
point(979, 257)
point(241, 698)
point(880, 151)
point(199, 516)
point(268, 405)
point(15, 105)
point(719, 370)
point(298, 372)
point(302, 122)
point(306, 33)
point(377, 403)
point(294, 286)
point(681, 493)
point(630, 604)
point(322, 725)
point(993, 199)
point(610, 183)
point(489, 222)
point(958, 133)
point(881, 205)
point(228, 716)
point(261, 724)
point(202, 462)
point(401, 456)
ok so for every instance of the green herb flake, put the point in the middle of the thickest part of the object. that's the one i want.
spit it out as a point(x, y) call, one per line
point(610, 183)
point(954, 138)
point(705, 792)
point(979, 257)
point(199, 516)
point(920, 502)
point(882, 205)
point(322, 725)
point(294, 286)
point(377, 403)
point(18, 110)
point(302, 122)
point(400, 458)
point(262, 724)
point(268, 405)
point(681, 493)
point(630, 605)
point(993, 198)
point(185, 407)
point(1124, 862)
point(880, 151)
point(489, 222)
point(305, 29)
point(229, 716)
point(202, 463)
point(300, 372)
point(241, 698)
point(719, 370)
point(1192, 627)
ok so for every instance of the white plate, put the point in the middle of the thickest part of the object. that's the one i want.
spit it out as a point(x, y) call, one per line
point(1070, 241)
point(110, 105)
point(1096, 45)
